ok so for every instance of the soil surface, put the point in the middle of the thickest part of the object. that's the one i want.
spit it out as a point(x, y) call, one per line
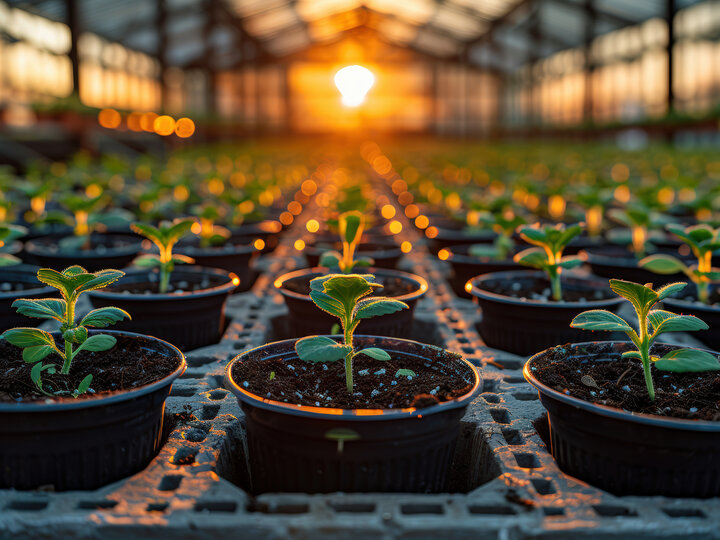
point(10, 286)
point(98, 244)
point(392, 286)
point(439, 378)
point(130, 364)
point(621, 383)
point(539, 289)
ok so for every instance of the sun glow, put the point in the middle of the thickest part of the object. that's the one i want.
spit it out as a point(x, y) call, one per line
point(354, 82)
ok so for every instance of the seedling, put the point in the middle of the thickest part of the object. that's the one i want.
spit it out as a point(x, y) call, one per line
point(640, 220)
point(552, 240)
point(593, 202)
point(8, 234)
point(342, 295)
point(703, 241)
point(504, 224)
point(85, 215)
point(210, 234)
point(351, 225)
point(165, 236)
point(38, 344)
point(651, 323)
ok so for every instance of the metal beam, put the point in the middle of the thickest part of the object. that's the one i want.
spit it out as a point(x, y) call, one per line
point(589, 36)
point(72, 18)
point(670, 11)
point(161, 15)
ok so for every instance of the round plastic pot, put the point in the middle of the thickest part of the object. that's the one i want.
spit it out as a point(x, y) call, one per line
point(524, 326)
point(269, 231)
point(85, 443)
point(458, 236)
point(238, 260)
point(188, 320)
point(92, 260)
point(617, 262)
point(26, 275)
point(629, 453)
point(295, 448)
point(466, 266)
point(305, 318)
point(708, 313)
point(384, 253)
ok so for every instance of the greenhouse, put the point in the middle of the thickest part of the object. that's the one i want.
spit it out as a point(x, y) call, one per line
point(360, 269)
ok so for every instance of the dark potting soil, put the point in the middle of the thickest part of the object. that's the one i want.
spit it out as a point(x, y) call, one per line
point(129, 364)
point(539, 289)
point(98, 245)
point(439, 378)
point(621, 383)
point(392, 286)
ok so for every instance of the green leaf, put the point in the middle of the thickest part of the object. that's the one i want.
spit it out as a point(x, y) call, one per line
point(178, 230)
point(148, 231)
point(28, 337)
point(147, 261)
point(663, 264)
point(330, 259)
point(533, 235)
point(688, 361)
point(182, 259)
point(102, 317)
point(405, 373)
point(351, 226)
point(83, 386)
point(534, 257)
point(347, 289)
point(632, 354)
point(101, 279)
point(483, 250)
point(9, 260)
point(664, 321)
point(570, 262)
point(320, 349)
point(55, 279)
point(374, 352)
point(599, 319)
point(376, 306)
point(670, 289)
point(327, 303)
point(364, 261)
point(46, 308)
point(567, 235)
point(100, 342)
point(640, 296)
point(36, 353)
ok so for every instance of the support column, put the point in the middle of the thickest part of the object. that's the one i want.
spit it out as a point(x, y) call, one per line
point(161, 13)
point(589, 28)
point(671, 10)
point(72, 14)
point(210, 66)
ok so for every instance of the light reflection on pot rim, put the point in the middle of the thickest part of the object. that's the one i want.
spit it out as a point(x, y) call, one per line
point(350, 414)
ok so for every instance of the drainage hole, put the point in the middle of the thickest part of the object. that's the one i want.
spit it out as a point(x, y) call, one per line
point(608, 510)
point(353, 508)
point(27, 506)
point(526, 396)
point(217, 395)
point(170, 482)
point(553, 511)
point(414, 509)
point(104, 504)
point(684, 513)
point(527, 460)
point(543, 486)
point(209, 412)
point(215, 506)
point(501, 416)
point(184, 456)
point(513, 437)
point(157, 507)
point(491, 510)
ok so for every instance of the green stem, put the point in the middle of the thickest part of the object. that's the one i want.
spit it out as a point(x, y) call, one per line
point(645, 354)
point(164, 278)
point(348, 357)
point(556, 287)
point(68, 358)
point(703, 291)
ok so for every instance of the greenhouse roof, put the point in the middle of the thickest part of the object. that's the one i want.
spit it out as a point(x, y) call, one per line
point(472, 29)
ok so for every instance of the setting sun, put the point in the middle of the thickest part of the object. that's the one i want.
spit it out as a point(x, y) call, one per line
point(354, 82)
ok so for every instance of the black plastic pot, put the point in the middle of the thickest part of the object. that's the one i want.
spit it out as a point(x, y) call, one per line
point(708, 313)
point(630, 453)
point(269, 231)
point(236, 258)
point(305, 318)
point(466, 266)
point(108, 251)
point(524, 326)
point(458, 235)
point(617, 262)
point(86, 443)
point(384, 253)
point(188, 320)
point(392, 450)
point(25, 276)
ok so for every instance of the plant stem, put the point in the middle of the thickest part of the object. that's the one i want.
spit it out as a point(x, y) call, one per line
point(703, 291)
point(68, 358)
point(164, 278)
point(556, 286)
point(348, 358)
point(645, 354)
point(69, 323)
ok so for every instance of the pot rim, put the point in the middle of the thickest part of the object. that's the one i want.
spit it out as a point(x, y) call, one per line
point(472, 287)
point(421, 282)
point(464, 258)
point(219, 251)
point(613, 412)
point(388, 248)
point(687, 304)
point(25, 270)
point(118, 396)
point(359, 415)
point(225, 288)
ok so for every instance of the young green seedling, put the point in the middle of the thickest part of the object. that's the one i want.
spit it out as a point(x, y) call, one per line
point(210, 234)
point(165, 236)
point(351, 225)
point(8, 234)
point(38, 344)
point(504, 224)
point(552, 240)
point(639, 219)
point(86, 214)
point(651, 323)
point(342, 295)
point(703, 241)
